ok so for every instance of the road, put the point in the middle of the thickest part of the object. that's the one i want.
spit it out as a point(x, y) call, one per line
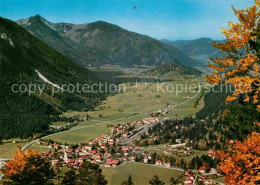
point(105, 122)
point(141, 130)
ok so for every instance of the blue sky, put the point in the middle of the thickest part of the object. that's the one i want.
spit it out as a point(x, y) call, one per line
point(161, 19)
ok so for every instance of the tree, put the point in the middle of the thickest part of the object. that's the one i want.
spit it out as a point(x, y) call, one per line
point(174, 181)
point(156, 181)
point(27, 168)
point(240, 163)
point(240, 65)
point(90, 174)
point(128, 182)
point(69, 177)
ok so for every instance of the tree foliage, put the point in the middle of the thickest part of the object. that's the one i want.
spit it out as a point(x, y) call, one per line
point(90, 174)
point(241, 164)
point(156, 181)
point(27, 168)
point(240, 65)
point(128, 182)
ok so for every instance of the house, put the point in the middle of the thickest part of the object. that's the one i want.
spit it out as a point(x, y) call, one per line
point(188, 181)
point(63, 163)
point(3, 162)
point(146, 160)
point(188, 96)
point(158, 162)
point(112, 162)
point(81, 159)
point(93, 152)
point(132, 159)
point(70, 161)
point(210, 181)
point(166, 152)
point(98, 159)
point(137, 149)
point(54, 162)
point(76, 163)
point(88, 147)
point(108, 155)
point(115, 163)
point(56, 146)
point(178, 141)
point(168, 165)
point(213, 170)
point(187, 173)
point(202, 170)
point(211, 153)
point(103, 145)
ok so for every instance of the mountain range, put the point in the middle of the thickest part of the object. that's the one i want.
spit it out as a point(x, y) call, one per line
point(100, 43)
point(199, 49)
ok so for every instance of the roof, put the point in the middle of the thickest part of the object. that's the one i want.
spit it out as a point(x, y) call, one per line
point(111, 162)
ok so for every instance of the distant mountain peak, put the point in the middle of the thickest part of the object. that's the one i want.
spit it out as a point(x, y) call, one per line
point(200, 49)
point(100, 43)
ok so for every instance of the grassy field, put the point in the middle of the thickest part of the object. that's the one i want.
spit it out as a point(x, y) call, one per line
point(141, 173)
point(8, 149)
point(41, 148)
point(159, 149)
point(220, 179)
point(133, 105)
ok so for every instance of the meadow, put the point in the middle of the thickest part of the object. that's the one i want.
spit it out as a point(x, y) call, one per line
point(7, 149)
point(133, 105)
point(140, 173)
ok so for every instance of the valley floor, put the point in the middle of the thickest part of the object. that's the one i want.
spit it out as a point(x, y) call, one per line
point(133, 105)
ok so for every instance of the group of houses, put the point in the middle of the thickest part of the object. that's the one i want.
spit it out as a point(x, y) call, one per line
point(124, 131)
point(96, 151)
point(159, 113)
point(190, 178)
point(207, 181)
point(172, 105)
point(181, 148)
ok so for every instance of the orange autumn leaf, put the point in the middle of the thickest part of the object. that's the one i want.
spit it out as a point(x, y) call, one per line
point(230, 98)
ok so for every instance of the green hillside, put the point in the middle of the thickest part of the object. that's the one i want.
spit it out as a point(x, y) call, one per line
point(177, 69)
point(21, 54)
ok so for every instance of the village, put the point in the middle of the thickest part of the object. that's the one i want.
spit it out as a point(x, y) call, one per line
point(107, 150)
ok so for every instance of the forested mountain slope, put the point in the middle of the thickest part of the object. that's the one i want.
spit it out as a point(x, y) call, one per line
point(200, 49)
point(20, 55)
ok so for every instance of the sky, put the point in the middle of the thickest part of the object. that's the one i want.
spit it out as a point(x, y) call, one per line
point(160, 19)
